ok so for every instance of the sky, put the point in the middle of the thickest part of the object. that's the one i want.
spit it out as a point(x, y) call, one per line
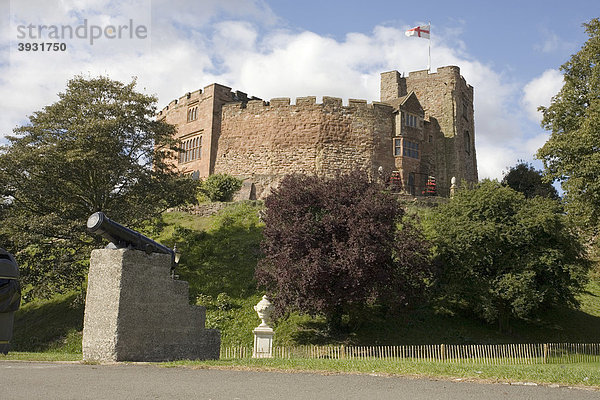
point(509, 51)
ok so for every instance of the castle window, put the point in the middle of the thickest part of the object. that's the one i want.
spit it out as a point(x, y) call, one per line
point(411, 120)
point(410, 149)
point(192, 114)
point(465, 111)
point(467, 139)
point(191, 149)
point(397, 147)
point(406, 148)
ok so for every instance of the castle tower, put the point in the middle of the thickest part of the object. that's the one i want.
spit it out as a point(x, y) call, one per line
point(447, 102)
point(197, 116)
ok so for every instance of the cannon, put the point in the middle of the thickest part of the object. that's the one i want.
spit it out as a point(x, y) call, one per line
point(121, 237)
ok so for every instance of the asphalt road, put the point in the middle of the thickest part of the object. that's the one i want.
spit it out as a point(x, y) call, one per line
point(38, 380)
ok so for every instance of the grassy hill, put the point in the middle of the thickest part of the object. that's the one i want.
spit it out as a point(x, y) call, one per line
point(219, 254)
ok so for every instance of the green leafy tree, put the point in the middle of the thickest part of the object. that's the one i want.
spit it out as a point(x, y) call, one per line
point(98, 148)
point(505, 256)
point(524, 178)
point(333, 246)
point(220, 187)
point(571, 154)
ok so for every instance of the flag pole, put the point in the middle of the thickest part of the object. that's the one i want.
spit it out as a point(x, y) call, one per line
point(429, 59)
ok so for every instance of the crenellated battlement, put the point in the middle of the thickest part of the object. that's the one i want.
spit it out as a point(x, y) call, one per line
point(222, 92)
point(189, 97)
point(450, 72)
point(303, 103)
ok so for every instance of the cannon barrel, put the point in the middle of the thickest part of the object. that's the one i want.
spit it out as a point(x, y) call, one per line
point(123, 237)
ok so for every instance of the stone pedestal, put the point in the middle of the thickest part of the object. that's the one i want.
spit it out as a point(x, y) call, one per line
point(263, 334)
point(263, 342)
point(134, 311)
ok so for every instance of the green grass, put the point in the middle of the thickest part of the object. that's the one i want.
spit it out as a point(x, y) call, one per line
point(53, 325)
point(46, 356)
point(173, 219)
point(564, 374)
point(590, 301)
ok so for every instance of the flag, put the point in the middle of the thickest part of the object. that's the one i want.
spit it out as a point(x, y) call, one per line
point(420, 31)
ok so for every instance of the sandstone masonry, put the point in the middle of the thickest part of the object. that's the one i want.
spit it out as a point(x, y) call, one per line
point(423, 127)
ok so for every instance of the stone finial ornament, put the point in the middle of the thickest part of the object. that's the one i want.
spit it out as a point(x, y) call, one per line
point(263, 309)
point(453, 186)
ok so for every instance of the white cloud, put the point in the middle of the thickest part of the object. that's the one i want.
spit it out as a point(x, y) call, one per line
point(551, 43)
point(493, 161)
point(539, 92)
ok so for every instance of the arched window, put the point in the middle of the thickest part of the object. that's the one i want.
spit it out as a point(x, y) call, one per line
point(192, 114)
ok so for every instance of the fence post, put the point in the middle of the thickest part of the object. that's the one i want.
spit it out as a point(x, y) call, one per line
point(443, 351)
point(545, 353)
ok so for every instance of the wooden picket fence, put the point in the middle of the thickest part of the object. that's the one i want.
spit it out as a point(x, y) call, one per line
point(493, 354)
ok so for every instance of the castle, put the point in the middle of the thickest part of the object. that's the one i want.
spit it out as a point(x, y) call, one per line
point(420, 134)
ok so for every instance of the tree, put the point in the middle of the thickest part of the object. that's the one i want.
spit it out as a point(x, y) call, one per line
point(220, 187)
point(333, 246)
point(505, 256)
point(571, 154)
point(98, 148)
point(524, 178)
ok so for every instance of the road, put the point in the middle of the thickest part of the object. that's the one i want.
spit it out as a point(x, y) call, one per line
point(42, 380)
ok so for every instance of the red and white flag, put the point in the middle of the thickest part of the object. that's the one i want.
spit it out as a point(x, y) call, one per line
point(420, 31)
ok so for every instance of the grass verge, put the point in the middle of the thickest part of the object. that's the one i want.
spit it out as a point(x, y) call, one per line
point(47, 356)
point(583, 374)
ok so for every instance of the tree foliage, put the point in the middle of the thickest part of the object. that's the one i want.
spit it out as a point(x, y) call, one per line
point(571, 155)
point(524, 178)
point(333, 246)
point(504, 255)
point(98, 148)
point(220, 187)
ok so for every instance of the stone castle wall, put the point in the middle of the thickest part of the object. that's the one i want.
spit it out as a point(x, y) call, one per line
point(266, 141)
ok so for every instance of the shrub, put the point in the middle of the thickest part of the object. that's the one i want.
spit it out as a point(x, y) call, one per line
point(220, 187)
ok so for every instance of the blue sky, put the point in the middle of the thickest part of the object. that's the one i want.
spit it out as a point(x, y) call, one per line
point(509, 51)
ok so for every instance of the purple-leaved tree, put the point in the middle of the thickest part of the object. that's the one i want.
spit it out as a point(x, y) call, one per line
point(333, 246)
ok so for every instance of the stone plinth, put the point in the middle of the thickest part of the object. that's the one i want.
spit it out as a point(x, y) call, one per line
point(135, 311)
point(263, 342)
